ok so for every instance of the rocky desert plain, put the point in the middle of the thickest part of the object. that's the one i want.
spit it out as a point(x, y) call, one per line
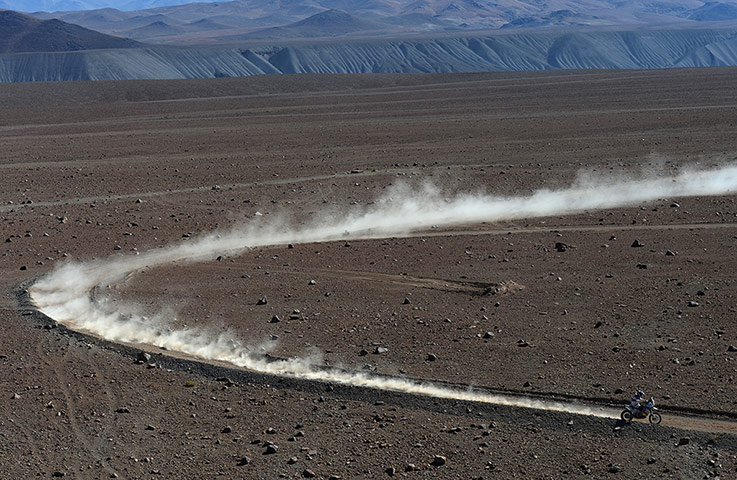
point(578, 308)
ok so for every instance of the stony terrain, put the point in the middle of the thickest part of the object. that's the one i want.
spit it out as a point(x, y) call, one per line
point(91, 170)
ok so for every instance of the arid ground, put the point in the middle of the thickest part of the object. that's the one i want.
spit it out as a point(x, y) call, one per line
point(90, 170)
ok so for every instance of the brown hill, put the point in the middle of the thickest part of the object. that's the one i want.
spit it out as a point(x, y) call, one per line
point(22, 33)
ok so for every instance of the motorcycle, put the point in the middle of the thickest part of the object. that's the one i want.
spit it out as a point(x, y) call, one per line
point(650, 412)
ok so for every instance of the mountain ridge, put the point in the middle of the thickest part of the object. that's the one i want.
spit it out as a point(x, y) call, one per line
point(634, 49)
point(22, 33)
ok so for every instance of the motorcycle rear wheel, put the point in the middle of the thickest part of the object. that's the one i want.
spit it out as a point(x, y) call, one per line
point(656, 418)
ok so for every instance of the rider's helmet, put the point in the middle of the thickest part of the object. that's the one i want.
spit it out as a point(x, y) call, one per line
point(640, 393)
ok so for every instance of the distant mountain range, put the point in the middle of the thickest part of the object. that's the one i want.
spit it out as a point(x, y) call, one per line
point(22, 33)
point(499, 52)
point(218, 22)
point(251, 37)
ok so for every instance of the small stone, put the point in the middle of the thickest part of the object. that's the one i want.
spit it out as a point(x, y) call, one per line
point(123, 410)
point(117, 247)
point(23, 267)
point(438, 461)
point(380, 350)
point(292, 460)
point(560, 246)
point(431, 357)
point(674, 205)
point(637, 244)
point(651, 460)
point(15, 396)
point(683, 441)
point(692, 303)
point(150, 427)
point(58, 474)
point(642, 266)
point(311, 282)
point(522, 343)
point(410, 467)
point(275, 319)
point(227, 429)
point(262, 301)
point(670, 253)
point(143, 357)
point(271, 449)
point(309, 473)
point(732, 348)
point(244, 461)
point(406, 301)
point(489, 335)
point(391, 471)
point(614, 468)
point(527, 384)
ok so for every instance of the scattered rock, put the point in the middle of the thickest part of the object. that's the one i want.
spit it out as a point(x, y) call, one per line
point(438, 461)
point(431, 357)
point(380, 350)
point(489, 335)
point(692, 303)
point(406, 301)
point(117, 247)
point(309, 473)
point(651, 460)
point(642, 266)
point(675, 205)
point(311, 282)
point(614, 468)
point(143, 357)
point(271, 449)
point(391, 471)
point(732, 348)
point(227, 429)
point(23, 267)
point(262, 301)
point(123, 410)
point(670, 253)
point(58, 474)
point(683, 441)
point(522, 343)
point(275, 319)
point(244, 461)
point(15, 396)
point(410, 467)
point(527, 384)
point(292, 460)
point(637, 244)
point(150, 428)
point(560, 246)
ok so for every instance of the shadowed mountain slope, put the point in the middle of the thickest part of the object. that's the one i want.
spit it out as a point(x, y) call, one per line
point(22, 33)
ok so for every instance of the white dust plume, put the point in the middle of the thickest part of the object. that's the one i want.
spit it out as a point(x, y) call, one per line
point(69, 293)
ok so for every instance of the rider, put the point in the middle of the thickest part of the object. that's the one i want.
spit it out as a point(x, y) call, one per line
point(637, 400)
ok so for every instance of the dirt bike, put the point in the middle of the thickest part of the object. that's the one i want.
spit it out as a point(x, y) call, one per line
point(629, 413)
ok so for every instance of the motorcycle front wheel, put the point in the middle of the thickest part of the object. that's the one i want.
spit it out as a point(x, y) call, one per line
point(627, 416)
point(655, 417)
